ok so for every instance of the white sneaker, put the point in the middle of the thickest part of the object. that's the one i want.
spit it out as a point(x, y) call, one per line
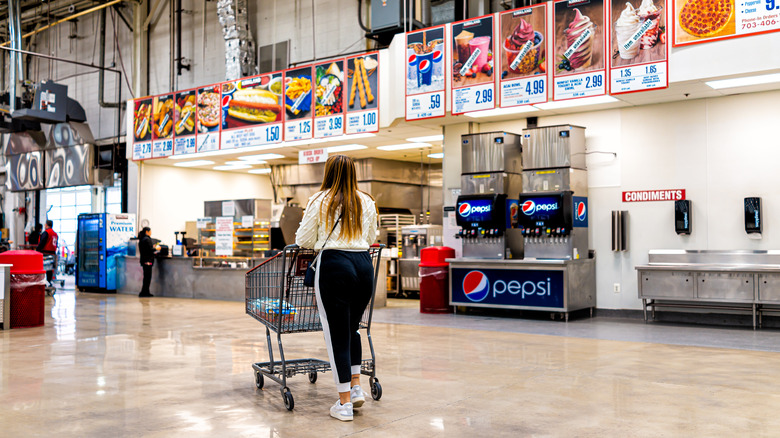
point(357, 395)
point(341, 412)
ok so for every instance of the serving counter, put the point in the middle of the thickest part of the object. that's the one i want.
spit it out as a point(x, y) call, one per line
point(177, 277)
point(531, 284)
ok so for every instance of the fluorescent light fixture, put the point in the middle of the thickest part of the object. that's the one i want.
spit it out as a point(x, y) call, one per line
point(244, 162)
point(193, 163)
point(260, 157)
point(502, 111)
point(226, 167)
point(744, 82)
point(303, 142)
point(227, 151)
point(436, 155)
point(576, 102)
point(260, 171)
point(398, 147)
point(345, 147)
point(350, 137)
point(439, 137)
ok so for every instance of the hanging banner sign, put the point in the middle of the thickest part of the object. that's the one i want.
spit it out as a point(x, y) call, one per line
point(579, 64)
point(251, 111)
point(425, 69)
point(523, 50)
point(329, 99)
point(313, 156)
point(362, 91)
point(701, 21)
point(185, 115)
point(209, 118)
point(638, 46)
point(162, 126)
point(473, 47)
point(298, 96)
point(654, 195)
point(142, 129)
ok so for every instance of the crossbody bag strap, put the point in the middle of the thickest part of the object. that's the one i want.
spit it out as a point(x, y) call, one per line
point(327, 239)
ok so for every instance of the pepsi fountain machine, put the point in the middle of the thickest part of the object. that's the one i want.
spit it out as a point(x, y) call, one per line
point(555, 270)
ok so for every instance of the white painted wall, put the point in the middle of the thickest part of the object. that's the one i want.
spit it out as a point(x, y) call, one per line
point(719, 150)
point(170, 196)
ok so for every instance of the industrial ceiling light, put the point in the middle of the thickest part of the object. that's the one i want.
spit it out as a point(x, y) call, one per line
point(576, 102)
point(255, 158)
point(502, 111)
point(345, 148)
point(436, 155)
point(244, 162)
point(232, 167)
point(398, 147)
point(193, 163)
point(744, 82)
point(439, 137)
point(260, 171)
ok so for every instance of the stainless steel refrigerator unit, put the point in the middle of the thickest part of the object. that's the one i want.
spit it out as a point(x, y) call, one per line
point(414, 238)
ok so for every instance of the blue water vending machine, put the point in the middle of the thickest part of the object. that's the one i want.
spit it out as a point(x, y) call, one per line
point(102, 238)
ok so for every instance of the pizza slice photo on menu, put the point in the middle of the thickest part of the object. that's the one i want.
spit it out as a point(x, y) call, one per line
point(707, 18)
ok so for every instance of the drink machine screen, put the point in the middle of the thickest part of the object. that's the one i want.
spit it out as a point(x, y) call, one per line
point(482, 211)
point(546, 211)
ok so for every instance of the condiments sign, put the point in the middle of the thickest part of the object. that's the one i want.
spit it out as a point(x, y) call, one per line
point(654, 195)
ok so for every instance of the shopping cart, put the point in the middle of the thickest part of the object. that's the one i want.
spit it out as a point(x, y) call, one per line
point(277, 297)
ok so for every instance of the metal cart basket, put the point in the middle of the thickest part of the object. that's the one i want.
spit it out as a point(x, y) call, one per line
point(277, 297)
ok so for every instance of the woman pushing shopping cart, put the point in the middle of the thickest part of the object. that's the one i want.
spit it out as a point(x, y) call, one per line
point(339, 222)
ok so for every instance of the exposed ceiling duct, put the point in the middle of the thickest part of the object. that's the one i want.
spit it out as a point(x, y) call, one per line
point(239, 44)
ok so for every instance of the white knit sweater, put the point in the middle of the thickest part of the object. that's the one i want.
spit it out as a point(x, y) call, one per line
point(312, 231)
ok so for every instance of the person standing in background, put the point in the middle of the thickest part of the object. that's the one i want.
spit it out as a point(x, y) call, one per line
point(147, 248)
point(35, 235)
point(47, 245)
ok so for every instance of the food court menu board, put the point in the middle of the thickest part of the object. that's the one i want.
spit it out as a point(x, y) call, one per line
point(185, 113)
point(362, 90)
point(700, 21)
point(579, 61)
point(637, 42)
point(251, 111)
point(425, 74)
point(473, 83)
point(329, 99)
point(142, 128)
point(523, 52)
point(162, 126)
point(298, 104)
point(209, 118)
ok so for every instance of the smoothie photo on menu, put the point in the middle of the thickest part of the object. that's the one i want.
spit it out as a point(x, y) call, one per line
point(472, 53)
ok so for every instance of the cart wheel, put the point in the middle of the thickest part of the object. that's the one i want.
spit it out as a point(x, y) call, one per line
point(289, 403)
point(376, 390)
point(259, 380)
point(313, 377)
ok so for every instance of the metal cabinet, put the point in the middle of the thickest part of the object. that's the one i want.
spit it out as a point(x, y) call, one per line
point(769, 288)
point(666, 284)
point(725, 286)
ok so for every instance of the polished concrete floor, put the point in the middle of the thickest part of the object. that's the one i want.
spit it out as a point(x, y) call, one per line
point(117, 365)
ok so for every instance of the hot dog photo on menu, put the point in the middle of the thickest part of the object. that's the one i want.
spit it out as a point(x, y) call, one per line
point(252, 101)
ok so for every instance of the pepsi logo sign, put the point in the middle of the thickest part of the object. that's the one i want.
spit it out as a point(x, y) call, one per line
point(425, 65)
point(581, 211)
point(530, 207)
point(476, 286)
point(467, 209)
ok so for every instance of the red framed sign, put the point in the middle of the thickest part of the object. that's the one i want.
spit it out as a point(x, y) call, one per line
point(639, 51)
point(424, 73)
point(702, 21)
point(473, 47)
point(362, 93)
point(209, 118)
point(185, 120)
point(579, 63)
point(329, 99)
point(523, 56)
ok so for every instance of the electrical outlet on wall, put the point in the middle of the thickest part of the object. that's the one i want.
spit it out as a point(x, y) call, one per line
point(616, 288)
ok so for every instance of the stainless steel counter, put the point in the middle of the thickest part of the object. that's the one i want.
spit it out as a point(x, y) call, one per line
point(557, 286)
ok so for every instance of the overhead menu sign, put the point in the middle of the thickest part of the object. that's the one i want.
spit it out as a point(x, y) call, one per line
point(162, 126)
point(209, 118)
point(251, 111)
point(298, 98)
point(473, 48)
point(425, 69)
point(362, 91)
point(701, 21)
point(142, 128)
point(579, 61)
point(522, 48)
point(185, 118)
point(329, 99)
point(637, 42)
point(313, 156)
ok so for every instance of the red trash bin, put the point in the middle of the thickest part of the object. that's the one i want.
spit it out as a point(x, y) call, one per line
point(434, 279)
point(28, 287)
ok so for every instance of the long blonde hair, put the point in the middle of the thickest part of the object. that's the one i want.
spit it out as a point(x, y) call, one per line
point(341, 179)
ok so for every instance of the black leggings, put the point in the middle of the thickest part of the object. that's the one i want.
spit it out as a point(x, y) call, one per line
point(344, 285)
